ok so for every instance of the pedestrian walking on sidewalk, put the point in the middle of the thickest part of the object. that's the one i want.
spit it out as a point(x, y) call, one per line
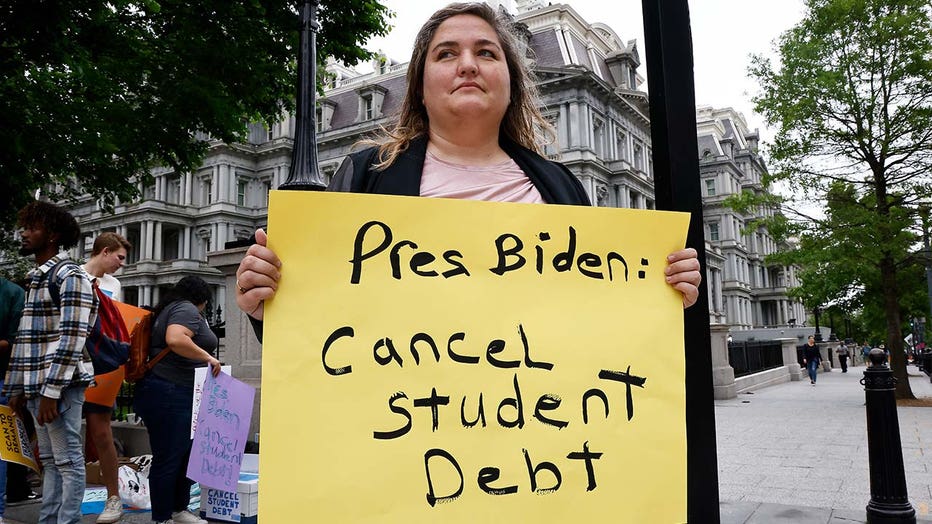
point(843, 353)
point(812, 358)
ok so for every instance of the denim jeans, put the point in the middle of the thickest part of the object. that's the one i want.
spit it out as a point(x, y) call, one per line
point(165, 408)
point(813, 368)
point(62, 456)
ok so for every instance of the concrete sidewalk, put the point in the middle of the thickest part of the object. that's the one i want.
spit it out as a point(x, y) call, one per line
point(791, 453)
point(798, 453)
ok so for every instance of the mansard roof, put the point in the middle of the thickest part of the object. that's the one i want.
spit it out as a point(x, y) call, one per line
point(346, 99)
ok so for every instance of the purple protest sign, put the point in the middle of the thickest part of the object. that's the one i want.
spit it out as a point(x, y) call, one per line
point(222, 429)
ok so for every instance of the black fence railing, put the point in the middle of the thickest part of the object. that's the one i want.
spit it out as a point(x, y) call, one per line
point(124, 401)
point(754, 356)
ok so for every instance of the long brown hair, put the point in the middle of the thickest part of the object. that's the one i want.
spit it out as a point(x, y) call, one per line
point(522, 119)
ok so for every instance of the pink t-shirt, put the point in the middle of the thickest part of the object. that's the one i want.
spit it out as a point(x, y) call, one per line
point(504, 182)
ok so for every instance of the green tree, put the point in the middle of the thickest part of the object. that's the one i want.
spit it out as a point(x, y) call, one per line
point(94, 92)
point(851, 99)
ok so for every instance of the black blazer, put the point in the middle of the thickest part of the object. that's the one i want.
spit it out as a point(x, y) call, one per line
point(556, 184)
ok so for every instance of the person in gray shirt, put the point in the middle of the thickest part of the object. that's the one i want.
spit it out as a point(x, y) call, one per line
point(164, 397)
point(843, 354)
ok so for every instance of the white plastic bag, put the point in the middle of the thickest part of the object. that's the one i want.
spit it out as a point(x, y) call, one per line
point(134, 485)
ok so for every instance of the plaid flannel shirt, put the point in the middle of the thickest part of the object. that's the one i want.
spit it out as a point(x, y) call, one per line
point(49, 353)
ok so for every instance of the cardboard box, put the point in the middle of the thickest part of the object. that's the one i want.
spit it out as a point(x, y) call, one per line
point(242, 506)
point(92, 473)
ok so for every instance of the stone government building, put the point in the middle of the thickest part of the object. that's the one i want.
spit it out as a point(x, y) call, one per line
point(591, 92)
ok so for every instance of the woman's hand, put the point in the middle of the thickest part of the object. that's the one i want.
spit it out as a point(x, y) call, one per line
point(214, 366)
point(684, 274)
point(257, 277)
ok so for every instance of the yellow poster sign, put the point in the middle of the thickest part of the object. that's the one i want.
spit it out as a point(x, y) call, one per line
point(434, 360)
point(15, 446)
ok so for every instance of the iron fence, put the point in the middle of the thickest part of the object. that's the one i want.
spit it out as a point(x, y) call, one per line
point(124, 401)
point(754, 356)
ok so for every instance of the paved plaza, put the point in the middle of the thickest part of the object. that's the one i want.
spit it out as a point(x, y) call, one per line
point(791, 453)
point(803, 448)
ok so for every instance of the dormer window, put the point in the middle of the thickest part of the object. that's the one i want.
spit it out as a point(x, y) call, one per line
point(370, 102)
point(324, 113)
point(367, 107)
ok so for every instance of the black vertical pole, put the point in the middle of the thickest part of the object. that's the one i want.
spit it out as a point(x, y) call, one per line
point(818, 332)
point(671, 89)
point(889, 503)
point(304, 174)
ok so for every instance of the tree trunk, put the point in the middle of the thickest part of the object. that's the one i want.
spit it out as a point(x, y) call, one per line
point(891, 307)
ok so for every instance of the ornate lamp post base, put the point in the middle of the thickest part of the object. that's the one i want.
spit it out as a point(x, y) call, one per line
point(889, 503)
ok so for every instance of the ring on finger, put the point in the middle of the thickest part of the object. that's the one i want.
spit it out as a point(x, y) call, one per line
point(240, 287)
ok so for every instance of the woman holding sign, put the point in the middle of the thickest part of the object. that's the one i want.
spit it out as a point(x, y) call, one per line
point(467, 129)
point(164, 397)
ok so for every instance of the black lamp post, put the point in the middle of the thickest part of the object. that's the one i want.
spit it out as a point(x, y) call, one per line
point(818, 332)
point(304, 175)
point(889, 502)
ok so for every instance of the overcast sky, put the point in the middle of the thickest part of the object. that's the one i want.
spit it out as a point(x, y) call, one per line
point(725, 33)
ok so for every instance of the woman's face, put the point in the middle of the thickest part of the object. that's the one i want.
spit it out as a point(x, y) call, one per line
point(465, 73)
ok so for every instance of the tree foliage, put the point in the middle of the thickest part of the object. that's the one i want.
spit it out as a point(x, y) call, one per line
point(851, 97)
point(94, 92)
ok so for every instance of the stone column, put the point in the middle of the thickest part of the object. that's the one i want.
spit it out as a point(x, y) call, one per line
point(189, 189)
point(222, 235)
point(825, 349)
point(186, 244)
point(224, 176)
point(723, 376)
point(789, 358)
point(182, 188)
point(157, 251)
point(146, 237)
point(215, 186)
point(574, 125)
point(242, 350)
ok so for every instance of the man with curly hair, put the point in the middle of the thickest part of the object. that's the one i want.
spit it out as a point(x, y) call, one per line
point(49, 369)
